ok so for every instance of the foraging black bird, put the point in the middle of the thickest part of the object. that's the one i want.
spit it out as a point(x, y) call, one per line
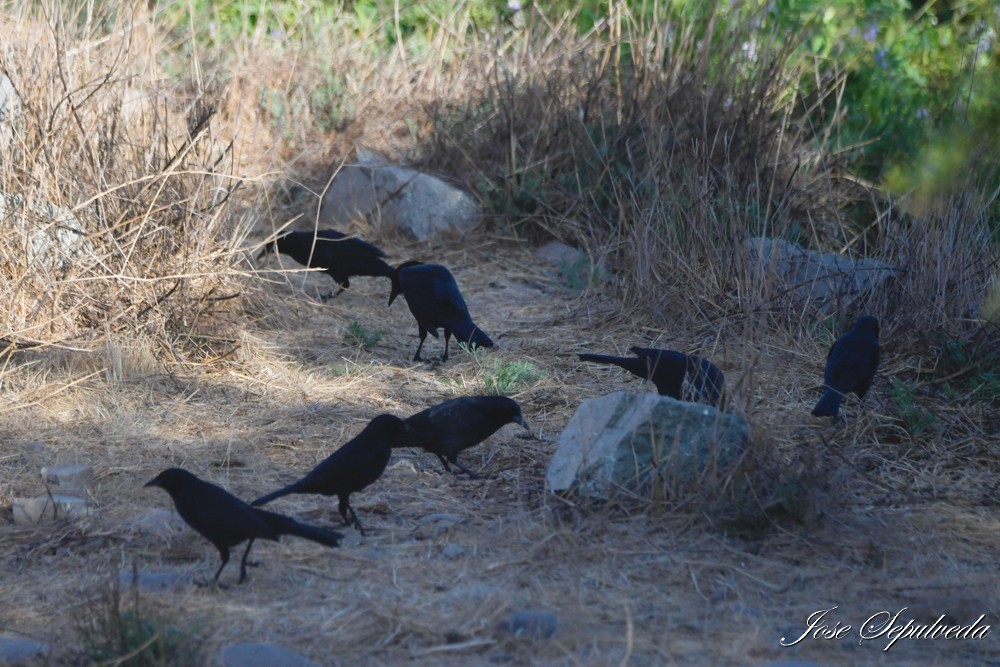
point(850, 366)
point(668, 370)
point(225, 520)
point(455, 425)
point(351, 468)
point(433, 297)
point(340, 256)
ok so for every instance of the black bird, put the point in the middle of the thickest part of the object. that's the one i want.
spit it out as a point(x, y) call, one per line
point(668, 370)
point(453, 426)
point(338, 255)
point(850, 366)
point(433, 297)
point(225, 520)
point(351, 468)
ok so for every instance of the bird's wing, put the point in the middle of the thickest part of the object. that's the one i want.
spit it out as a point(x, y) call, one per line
point(435, 297)
point(219, 515)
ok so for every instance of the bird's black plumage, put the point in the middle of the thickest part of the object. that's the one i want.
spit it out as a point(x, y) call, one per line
point(340, 256)
point(351, 468)
point(455, 425)
point(225, 520)
point(850, 366)
point(433, 297)
point(668, 370)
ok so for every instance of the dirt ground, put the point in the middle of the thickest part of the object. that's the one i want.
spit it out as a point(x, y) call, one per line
point(902, 526)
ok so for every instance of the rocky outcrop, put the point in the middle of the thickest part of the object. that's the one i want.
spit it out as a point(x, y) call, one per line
point(415, 204)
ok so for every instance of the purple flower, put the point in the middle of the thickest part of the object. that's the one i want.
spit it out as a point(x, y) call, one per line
point(880, 58)
point(871, 32)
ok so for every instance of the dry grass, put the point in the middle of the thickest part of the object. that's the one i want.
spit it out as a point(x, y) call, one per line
point(143, 364)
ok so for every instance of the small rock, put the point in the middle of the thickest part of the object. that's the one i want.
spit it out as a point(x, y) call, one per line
point(55, 237)
point(154, 582)
point(262, 655)
point(158, 521)
point(453, 552)
point(19, 651)
point(68, 476)
point(555, 252)
point(43, 509)
point(531, 624)
point(352, 538)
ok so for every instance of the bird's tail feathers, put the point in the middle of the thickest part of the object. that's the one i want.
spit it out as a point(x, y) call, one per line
point(829, 404)
point(381, 269)
point(263, 500)
point(604, 359)
point(284, 525)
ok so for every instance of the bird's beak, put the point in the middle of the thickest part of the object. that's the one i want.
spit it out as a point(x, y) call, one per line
point(520, 420)
point(392, 296)
point(153, 482)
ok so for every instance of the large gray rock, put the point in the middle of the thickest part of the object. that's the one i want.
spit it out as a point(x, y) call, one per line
point(826, 281)
point(417, 205)
point(19, 651)
point(10, 112)
point(45, 509)
point(629, 441)
point(261, 655)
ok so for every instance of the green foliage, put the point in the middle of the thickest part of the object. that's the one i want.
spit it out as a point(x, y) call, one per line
point(957, 359)
point(358, 334)
point(223, 23)
point(500, 377)
point(916, 418)
point(921, 97)
point(128, 634)
point(987, 386)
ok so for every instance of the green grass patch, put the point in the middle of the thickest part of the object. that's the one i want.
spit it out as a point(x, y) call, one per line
point(358, 334)
point(121, 630)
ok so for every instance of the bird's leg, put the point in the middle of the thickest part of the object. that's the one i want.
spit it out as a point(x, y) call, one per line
point(243, 563)
point(472, 475)
point(423, 336)
point(224, 553)
point(444, 462)
point(447, 336)
point(345, 507)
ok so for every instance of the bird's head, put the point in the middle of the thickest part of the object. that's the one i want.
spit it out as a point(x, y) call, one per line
point(397, 287)
point(513, 412)
point(867, 323)
point(169, 479)
point(388, 427)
